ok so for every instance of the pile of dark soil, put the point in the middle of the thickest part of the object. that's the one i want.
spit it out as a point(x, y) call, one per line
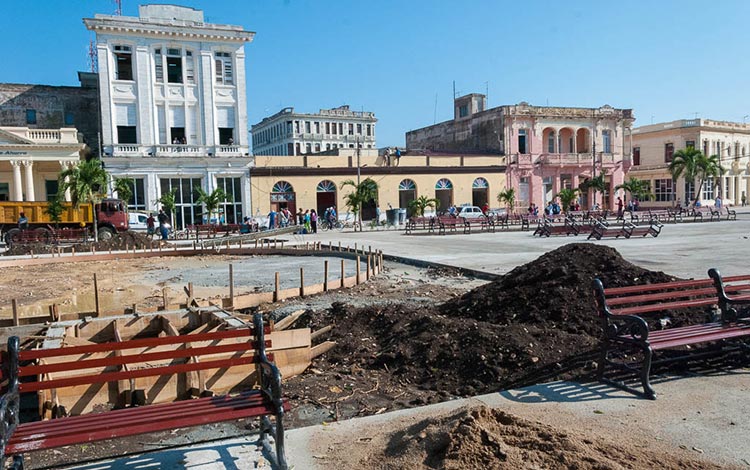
point(536, 323)
point(494, 440)
point(121, 241)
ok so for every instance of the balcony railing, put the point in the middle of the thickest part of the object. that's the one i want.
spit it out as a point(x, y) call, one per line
point(562, 159)
point(175, 150)
point(46, 136)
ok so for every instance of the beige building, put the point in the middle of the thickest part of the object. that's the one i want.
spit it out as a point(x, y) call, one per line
point(31, 161)
point(314, 182)
point(655, 145)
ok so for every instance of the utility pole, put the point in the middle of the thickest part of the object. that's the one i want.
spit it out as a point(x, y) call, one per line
point(593, 154)
point(358, 167)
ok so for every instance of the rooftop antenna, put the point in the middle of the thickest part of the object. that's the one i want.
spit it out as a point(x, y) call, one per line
point(93, 58)
point(118, 7)
point(434, 118)
point(696, 115)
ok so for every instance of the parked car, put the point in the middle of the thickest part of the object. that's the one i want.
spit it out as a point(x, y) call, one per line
point(470, 212)
point(137, 221)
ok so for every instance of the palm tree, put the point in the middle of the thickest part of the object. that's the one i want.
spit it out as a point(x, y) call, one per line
point(637, 188)
point(418, 205)
point(692, 164)
point(167, 201)
point(508, 197)
point(55, 209)
point(124, 188)
point(364, 192)
point(87, 183)
point(212, 200)
point(597, 184)
point(567, 196)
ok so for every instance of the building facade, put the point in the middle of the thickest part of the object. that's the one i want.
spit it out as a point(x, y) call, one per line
point(289, 133)
point(173, 107)
point(654, 146)
point(547, 148)
point(32, 159)
point(314, 182)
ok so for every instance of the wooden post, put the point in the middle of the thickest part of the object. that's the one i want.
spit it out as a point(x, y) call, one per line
point(276, 288)
point(134, 309)
point(152, 249)
point(355, 247)
point(240, 243)
point(369, 260)
point(256, 243)
point(127, 247)
point(330, 246)
point(164, 300)
point(14, 305)
point(190, 294)
point(301, 282)
point(231, 285)
point(358, 280)
point(325, 276)
point(282, 244)
point(339, 246)
point(342, 273)
point(72, 251)
point(274, 243)
point(369, 249)
point(96, 295)
point(55, 312)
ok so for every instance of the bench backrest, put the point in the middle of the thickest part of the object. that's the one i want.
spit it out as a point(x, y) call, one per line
point(661, 297)
point(138, 358)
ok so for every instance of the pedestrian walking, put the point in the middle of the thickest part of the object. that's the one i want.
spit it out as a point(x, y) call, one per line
point(314, 221)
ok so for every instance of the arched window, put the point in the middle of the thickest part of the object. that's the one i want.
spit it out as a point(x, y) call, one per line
point(282, 187)
point(444, 183)
point(407, 185)
point(480, 183)
point(326, 186)
point(551, 142)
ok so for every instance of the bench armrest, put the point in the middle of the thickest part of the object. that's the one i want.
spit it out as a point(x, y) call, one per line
point(728, 304)
point(11, 399)
point(633, 327)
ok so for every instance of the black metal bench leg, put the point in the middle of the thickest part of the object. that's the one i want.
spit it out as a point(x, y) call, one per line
point(646, 372)
point(17, 462)
point(279, 437)
point(602, 362)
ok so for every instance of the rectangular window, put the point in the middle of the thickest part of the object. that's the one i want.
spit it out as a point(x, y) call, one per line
point(328, 128)
point(668, 152)
point(689, 144)
point(636, 155)
point(522, 141)
point(463, 110)
point(341, 128)
point(328, 146)
point(123, 62)
point(51, 187)
point(126, 135)
point(296, 127)
point(308, 148)
point(224, 69)
point(334, 128)
point(607, 141)
point(663, 190)
point(69, 119)
point(174, 65)
point(137, 201)
point(226, 136)
point(4, 191)
point(351, 129)
point(158, 66)
point(233, 206)
point(369, 130)
point(359, 129)
point(708, 189)
point(705, 147)
point(307, 127)
point(189, 67)
point(297, 149)
point(187, 212)
point(317, 128)
point(31, 116)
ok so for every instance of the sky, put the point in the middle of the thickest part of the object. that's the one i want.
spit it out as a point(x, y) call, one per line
point(664, 59)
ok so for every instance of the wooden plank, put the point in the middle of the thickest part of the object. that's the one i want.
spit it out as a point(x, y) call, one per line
point(287, 321)
point(318, 333)
point(321, 348)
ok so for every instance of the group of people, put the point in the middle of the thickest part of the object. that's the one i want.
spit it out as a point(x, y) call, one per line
point(396, 154)
point(307, 219)
point(164, 226)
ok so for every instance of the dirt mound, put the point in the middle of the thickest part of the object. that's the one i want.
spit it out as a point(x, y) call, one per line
point(553, 291)
point(492, 439)
point(121, 241)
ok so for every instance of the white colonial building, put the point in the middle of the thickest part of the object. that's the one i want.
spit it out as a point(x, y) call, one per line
point(32, 159)
point(289, 133)
point(654, 146)
point(173, 106)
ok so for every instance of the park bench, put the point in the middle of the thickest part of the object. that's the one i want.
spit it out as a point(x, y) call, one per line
point(419, 223)
point(195, 360)
point(548, 227)
point(501, 220)
point(653, 228)
point(484, 223)
point(203, 230)
point(602, 229)
point(448, 223)
point(528, 219)
point(662, 215)
point(731, 213)
point(622, 310)
point(702, 214)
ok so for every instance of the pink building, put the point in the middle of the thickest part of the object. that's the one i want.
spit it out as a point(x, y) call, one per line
point(546, 148)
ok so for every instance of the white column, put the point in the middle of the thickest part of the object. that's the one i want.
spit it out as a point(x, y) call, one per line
point(64, 165)
point(732, 194)
point(17, 188)
point(28, 166)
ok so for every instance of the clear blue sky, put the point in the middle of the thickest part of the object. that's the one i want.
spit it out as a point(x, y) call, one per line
point(666, 59)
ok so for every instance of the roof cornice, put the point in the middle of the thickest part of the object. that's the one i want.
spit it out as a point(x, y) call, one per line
point(203, 33)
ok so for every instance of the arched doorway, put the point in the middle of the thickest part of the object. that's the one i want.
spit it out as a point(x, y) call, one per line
point(549, 139)
point(370, 208)
point(444, 193)
point(583, 140)
point(480, 190)
point(282, 195)
point(326, 196)
point(566, 140)
point(407, 192)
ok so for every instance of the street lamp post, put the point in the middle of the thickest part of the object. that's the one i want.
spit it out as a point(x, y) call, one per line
point(358, 167)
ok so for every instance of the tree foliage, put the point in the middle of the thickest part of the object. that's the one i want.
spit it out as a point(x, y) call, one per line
point(211, 201)
point(124, 188)
point(508, 197)
point(418, 206)
point(168, 202)
point(693, 165)
point(567, 196)
point(362, 193)
point(87, 184)
point(637, 188)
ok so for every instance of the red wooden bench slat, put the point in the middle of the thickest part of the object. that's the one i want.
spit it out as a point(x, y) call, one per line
point(57, 433)
point(664, 306)
point(674, 294)
point(658, 287)
point(730, 331)
point(134, 358)
point(134, 374)
point(683, 331)
point(134, 343)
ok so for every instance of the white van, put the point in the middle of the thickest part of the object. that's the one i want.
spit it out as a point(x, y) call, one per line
point(137, 221)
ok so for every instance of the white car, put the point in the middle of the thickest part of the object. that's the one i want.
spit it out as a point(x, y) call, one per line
point(470, 212)
point(137, 221)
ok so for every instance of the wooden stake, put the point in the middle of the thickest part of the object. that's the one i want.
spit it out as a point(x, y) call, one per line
point(342, 273)
point(135, 309)
point(231, 286)
point(96, 295)
point(164, 300)
point(318, 333)
point(72, 251)
point(357, 275)
point(355, 247)
point(14, 305)
point(369, 260)
point(325, 276)
point(339, 246)
point(240, 243)
point(330, 246)
point(301, 282)
point(256, 243)
point(276, 288)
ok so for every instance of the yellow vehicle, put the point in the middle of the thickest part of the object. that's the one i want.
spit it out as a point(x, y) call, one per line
point(112, 217)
